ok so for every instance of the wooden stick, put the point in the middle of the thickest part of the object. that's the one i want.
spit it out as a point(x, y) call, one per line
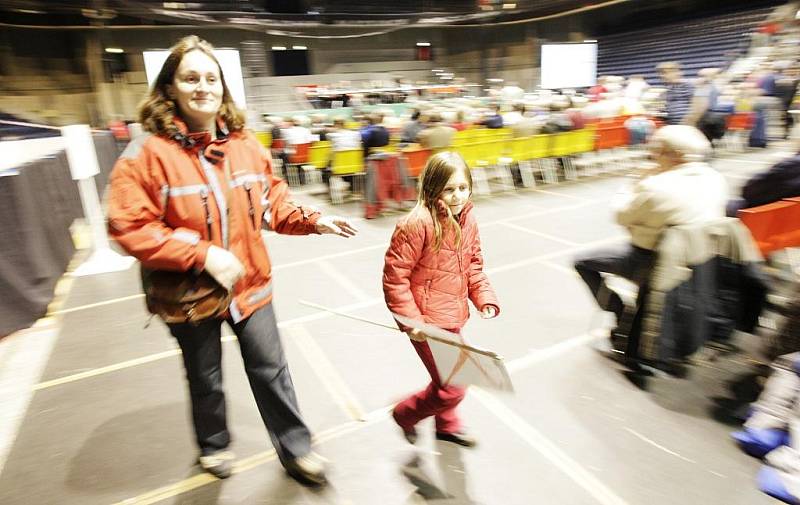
point(465, 347)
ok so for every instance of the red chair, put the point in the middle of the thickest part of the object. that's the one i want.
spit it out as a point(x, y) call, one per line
point(774, 226)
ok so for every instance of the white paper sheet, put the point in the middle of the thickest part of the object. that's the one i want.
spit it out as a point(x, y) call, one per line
point(461, 366)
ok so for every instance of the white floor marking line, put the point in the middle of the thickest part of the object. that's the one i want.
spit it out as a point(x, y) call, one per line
point(539, 355)
point(737, 176)
point(538, 234)
point(555, 254)
point(98, 304)
point(565, 195)
point(658, 446)
point(544, 212)
point(548, 449)
point(327, 373)
point(343, 280)
point(561, 268)
point(349, 252)
point(763, 163)
point(174, 352)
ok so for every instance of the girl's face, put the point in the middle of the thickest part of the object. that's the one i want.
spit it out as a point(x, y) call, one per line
point(456, 192)
point(197, 88)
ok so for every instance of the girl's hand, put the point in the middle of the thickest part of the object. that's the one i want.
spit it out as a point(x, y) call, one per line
point(489, 312)
point(416, 335)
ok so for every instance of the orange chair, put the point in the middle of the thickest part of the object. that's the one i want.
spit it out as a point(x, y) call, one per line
point(298, 153)
point(774, 226)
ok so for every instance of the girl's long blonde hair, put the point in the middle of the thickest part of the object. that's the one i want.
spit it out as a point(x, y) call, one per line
point(157, 111)
point(437, 172)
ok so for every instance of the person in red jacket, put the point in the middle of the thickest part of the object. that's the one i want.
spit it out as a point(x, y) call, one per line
point(433, 266)
point(194, 195)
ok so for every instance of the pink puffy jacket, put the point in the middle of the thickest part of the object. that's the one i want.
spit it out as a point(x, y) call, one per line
point(433, 287)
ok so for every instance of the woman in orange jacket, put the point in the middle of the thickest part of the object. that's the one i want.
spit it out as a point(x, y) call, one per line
point(434, 265)
point(194, 194)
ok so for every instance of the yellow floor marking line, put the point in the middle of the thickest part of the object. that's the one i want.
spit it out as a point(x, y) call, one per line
point(251, 462)
point(106, 369)
point(174, 352)
point(327, 373)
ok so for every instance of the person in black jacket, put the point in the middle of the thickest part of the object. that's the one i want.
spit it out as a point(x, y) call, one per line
point(782, 180)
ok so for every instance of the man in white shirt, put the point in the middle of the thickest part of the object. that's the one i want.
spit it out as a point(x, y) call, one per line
point(681, 188)
point(297, 133)
point(343, 139)
point(515, 115)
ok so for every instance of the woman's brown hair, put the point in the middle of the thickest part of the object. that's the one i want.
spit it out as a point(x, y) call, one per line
point(157, 111)
point(437, 172)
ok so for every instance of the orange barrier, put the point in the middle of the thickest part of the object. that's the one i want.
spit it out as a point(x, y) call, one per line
point(740, 121)
point(774, 226)
point(416, 160)
point(610, 137)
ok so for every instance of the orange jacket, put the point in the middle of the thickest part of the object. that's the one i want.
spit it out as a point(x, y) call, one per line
point(167, 206)
point(433, 287)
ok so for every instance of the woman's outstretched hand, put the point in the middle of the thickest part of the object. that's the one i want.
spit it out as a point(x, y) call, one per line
point(336, 225)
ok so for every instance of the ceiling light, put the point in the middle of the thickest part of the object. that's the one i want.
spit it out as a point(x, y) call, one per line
point(423, 44)
point(115, 50)
point(590, 42)
point(299, 48)
point(279, 48)
point(99, 14)
point(28, 11)
point(437, 70)
point(182, 5)
point(509, 6)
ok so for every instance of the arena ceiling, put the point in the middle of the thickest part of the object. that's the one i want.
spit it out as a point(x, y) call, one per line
point(285, 13)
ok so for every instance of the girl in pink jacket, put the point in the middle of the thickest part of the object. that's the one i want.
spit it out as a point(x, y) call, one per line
point(433, 266)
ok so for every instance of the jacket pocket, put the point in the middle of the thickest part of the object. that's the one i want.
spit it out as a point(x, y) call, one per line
point(426, 293)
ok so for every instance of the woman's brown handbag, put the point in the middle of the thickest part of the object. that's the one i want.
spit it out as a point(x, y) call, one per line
point(187, 297)
point(184, 297)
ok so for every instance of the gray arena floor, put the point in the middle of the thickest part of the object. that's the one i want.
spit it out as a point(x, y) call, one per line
point(97, 408)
